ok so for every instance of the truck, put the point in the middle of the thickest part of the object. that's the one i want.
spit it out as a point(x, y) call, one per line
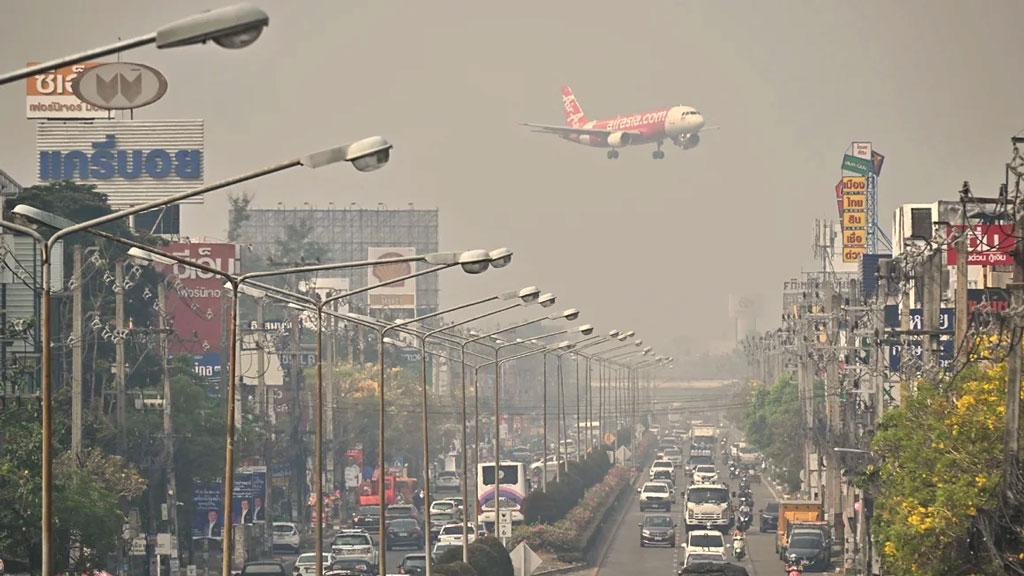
point(708, 506)
point(704, 435)
point(795, 511)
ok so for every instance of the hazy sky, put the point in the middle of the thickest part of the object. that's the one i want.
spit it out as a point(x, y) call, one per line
point(634, 243)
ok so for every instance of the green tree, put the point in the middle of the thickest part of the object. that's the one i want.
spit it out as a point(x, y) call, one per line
point(773, 426)
point(238, 213)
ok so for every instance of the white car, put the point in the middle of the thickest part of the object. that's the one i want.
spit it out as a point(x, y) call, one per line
point(443, 506)
point(662, 465)
point(705, 474)
point(305, 564)
point(353, 544)
point(710, 541)
point(286, 535)
point(452, 533)
point(698, 556)
point(656, 496)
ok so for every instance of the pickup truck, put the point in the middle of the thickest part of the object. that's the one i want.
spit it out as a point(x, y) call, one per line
point(656, 496)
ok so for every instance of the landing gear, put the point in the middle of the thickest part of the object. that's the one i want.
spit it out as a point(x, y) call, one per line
point(658, 154)
point(613, 154)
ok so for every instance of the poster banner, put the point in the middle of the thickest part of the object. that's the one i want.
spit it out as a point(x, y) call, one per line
point(398, 295)
point(197, 302)
point(987, 244)
point(247, 503)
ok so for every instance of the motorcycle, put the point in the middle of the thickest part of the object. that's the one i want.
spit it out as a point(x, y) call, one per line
point(744, 519)
point(795, 567)
point(739, 545)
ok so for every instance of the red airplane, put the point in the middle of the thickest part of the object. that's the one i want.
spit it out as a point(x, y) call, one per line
point(680, 124)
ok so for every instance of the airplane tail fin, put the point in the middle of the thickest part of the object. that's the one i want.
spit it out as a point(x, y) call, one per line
point(574, 116)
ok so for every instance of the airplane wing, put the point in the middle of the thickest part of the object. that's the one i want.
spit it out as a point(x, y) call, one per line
point(567, 131)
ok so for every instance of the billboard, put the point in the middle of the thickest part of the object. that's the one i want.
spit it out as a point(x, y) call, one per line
point(195, 304)
point(861, 150)
point(987, 244)
point(854, 214)
point(50, 95)
point(398, 295)
point(246, 503)
point(857, 165)
point(131, 161)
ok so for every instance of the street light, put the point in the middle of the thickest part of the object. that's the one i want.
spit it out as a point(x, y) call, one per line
point(235, 26)
point(46, 248)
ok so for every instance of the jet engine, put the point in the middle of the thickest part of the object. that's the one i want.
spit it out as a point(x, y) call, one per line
point(619, 139)
point(691, 141)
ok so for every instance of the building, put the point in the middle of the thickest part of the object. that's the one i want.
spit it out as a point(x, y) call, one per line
point(351, 234)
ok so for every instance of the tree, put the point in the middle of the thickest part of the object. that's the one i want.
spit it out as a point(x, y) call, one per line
point(773, 426)
point(238, 214)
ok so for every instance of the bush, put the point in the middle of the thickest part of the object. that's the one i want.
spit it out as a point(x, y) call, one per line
point(504, 560)
point(450, 556)
point(553, 504)
point(482, 560)
point(458, 568)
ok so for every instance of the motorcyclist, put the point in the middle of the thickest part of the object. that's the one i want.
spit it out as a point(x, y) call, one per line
point(739, 544)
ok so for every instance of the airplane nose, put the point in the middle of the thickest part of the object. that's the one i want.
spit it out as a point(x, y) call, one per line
point(700, 121)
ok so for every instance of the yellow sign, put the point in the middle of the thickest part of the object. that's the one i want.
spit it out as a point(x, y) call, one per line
point(855, 202)
point(856, 237)
point(854, 220)
point(852, 254)
point(854, 185)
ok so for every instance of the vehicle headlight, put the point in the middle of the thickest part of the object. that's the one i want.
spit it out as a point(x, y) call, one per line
point(646, 532)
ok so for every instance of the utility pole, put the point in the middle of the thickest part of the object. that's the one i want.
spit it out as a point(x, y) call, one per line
point(76, 355)
point(960, 336)
point(1011, 436)
point(297, 428)
point(172, 490)
point(119, 354)
point(265, 405)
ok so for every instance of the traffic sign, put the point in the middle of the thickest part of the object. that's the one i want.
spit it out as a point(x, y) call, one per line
point(505, 524)
point(524, 560)
point(138, 546)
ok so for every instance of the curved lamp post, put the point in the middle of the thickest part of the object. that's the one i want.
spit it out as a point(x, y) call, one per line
point(367, 154)
point(232, 27)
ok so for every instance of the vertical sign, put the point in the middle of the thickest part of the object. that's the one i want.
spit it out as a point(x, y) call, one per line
point(195, 303)
point(397, 295)
point(855, 223)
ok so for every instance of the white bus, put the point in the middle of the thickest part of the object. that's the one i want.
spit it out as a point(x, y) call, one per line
point(514, 486)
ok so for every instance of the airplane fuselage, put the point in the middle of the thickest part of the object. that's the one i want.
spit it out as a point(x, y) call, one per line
point(675, 123)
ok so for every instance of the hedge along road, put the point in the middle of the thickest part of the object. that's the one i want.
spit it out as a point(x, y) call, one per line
point(625, 556)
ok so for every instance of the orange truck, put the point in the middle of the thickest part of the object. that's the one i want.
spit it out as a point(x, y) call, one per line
point(393, 487)
point(794, 511)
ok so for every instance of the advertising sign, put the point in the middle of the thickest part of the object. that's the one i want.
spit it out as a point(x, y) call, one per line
point(856, 165)
point(854, 238)
point(854, 185)
point(399, 295)
point(854, 219)
point(852, 254)
point(247, 503)
point(131, 161)
point(51, 94)
point(120, 86)
point(987, 244)
point(195, 304)
point(862, 150)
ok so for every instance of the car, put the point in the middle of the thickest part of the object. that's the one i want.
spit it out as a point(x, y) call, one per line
point(440, 548)
point(666, 477)
point(655, 496)
point(710, 541)
point(769, 517)
point(696, 460)
point(697, 556)
point(674, 455)
point(305, 564)
point(286, 535)
point(662, 465)
point(459, 502)
point(447, 480)
point(415, 564)
point(367, 518)
point(657, 530)
point(655, 430)
point(808, 546)
point(452, 533)
point(353, 545)
point(264, 568)
point(401, 511)
point(349, 567)
point(442, 506)
point(439, 520)
point(404, 532)
point(705, 474)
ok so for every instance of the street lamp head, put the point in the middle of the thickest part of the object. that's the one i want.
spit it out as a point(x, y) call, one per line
point(501, 257)
point(529, 295)
point(571, 314)
point(243, 289)
point(42, 217)
point(638, 342)
point(147, 256)
point(586, 329)
point(366, 155)
point(563, 345)
point(613, 333)
point(547, 300)
point(621, 337)
point(629, 334)
point(647, 350)
point(475, 261)
point(231, 27)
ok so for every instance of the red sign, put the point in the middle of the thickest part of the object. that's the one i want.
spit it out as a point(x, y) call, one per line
point(196, 304)
point(987, 245)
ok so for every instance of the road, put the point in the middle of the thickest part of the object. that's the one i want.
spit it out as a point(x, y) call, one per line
point(625, 556)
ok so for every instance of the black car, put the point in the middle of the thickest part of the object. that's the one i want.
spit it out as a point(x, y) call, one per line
point(810, 547)
point(367, 518)
point(769, 517)
point(415, 564)
point(657, 530)
point(404, 532)
point(264, 569)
